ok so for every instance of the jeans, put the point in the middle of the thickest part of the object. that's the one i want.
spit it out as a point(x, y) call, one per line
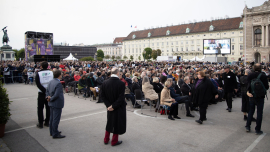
point(260, 105)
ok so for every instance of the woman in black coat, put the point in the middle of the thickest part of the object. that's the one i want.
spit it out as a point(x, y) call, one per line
point(157, 86)
point(202, 92)
point(135, 84)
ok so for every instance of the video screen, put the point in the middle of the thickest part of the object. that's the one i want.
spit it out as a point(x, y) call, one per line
point(217, 46)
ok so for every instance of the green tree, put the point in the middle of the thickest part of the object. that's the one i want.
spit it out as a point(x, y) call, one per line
point(20, 54)
point(107, 57)
point(99, 58)
point(158, 52)
point(100, 53)
point(148, 51)
point(113, 57)
point(4, 105)
point(139, 57)
point(89, 58)
point(118, 58)
point(131, 57)
point(154, 54)
point(125, 57)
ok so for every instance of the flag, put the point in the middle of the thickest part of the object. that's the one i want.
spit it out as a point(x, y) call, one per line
point(131, 25)
point(135, 26)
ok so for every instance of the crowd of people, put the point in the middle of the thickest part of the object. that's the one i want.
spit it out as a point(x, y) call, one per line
point(195, 84)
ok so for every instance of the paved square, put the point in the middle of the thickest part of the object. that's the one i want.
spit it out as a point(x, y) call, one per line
point(83, 122)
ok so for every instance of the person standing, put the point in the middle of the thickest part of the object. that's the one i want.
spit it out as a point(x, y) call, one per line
point(202, 92)
point(245, 98)
point(256, 96)
point(55, 97)
point(43, 78)
point(113, 96)
point(230, 85)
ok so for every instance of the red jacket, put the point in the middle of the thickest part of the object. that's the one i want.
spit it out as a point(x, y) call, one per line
point(77, 77)
point(122, 79)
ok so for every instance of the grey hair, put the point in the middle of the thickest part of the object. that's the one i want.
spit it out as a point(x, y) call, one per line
point(134, 78)
point(186, 78)
point(114, 71)
point(247, 71)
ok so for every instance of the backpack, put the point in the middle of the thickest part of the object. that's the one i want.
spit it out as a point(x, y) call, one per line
point(257, 88)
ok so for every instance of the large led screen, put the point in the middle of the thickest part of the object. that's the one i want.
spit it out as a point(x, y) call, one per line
point(217, 46)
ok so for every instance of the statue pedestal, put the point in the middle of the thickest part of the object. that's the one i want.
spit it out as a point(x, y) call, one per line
point(7, 54)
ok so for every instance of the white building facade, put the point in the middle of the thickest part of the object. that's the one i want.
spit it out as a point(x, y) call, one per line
point(186, 40)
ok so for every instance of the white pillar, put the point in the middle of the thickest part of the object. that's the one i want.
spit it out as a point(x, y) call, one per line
point(267, 39)
point(252, 36)
point(262, 35)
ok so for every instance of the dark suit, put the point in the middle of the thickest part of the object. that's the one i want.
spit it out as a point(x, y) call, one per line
point(113, 94)
point(55, 91)
point(230, 84)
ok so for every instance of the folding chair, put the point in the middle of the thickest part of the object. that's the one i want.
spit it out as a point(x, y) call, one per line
point(138, 98)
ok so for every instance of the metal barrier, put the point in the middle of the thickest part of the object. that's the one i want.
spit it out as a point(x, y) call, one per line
point(13, 74)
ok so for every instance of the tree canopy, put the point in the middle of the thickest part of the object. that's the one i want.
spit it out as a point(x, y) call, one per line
point(100, 53)
point(148, 52)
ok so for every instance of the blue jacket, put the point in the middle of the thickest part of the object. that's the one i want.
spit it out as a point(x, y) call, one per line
point(177, 97)
point(214, 83)
point(170, 76)
point(55, 90)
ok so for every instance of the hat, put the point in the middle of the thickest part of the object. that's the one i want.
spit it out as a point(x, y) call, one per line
point(99, 73)
point(91, 74)
point(84, 72)
point(227, 67)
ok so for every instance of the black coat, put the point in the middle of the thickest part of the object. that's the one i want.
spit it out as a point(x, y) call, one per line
point(89, 84)
point(113, 93)
point(157, 87)
point(185, 88)
point(135, 86)
point(230, 82)
point(244, 83)
point(204, 92)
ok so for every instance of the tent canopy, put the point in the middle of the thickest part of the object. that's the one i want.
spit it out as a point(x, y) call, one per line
point(70, 58)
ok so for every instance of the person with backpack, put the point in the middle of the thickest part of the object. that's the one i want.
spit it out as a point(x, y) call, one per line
point(257, 89)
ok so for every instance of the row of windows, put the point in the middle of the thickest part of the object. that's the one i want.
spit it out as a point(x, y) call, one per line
point(173, 43)
point(183, 37)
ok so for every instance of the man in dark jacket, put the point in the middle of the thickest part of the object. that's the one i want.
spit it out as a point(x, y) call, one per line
point(113, 96)
point(55, 97)
point(253, 101)
point(186, 89)
point(179, 99)
point(230, 85)
point(43, 77)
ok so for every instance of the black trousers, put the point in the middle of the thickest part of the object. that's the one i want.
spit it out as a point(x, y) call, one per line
point(174, 109)
point(187, 104)
point(228, 96)
point(245, 102)
point(202, 113)
point(54, 120)
point(41, 102)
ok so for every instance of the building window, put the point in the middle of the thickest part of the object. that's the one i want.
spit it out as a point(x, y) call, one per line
point(241, 46)
point(157, 44)
point(198, 35)
point(241, 53)
point(198, 41)
point(192, 42)
point(152, 44)
point(232, 32)
point(172, 43)
point(186, 36)
point(232, 53)
point(198, 49)
point(192, 48)
point(182, 49)
point(257, 37)
point(172, 49)
point(241, 39)
point(217, 33)
point(224, 33)
point(204, 35)
point(241, 32)
point(181, 42)
point(162, 43)
point(177, 49)
point(7, 55)
point(176, 43)
point(186, 42)
point(186, 48)
point(167, 43)
point(232, 39)
point(210, 34)
point(232, 47)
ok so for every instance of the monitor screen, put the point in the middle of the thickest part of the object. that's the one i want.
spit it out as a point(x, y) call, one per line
point(217, 46)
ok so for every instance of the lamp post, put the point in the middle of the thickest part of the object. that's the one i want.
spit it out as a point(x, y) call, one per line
point(95, 56)
point(149, 56)
point(144, 53)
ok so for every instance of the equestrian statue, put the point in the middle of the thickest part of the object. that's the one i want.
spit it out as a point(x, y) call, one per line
point(5, 37)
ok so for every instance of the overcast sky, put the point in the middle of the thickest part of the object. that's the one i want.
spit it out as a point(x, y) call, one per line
point(99, 21)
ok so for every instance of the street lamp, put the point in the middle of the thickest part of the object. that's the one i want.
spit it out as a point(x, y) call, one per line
point(144, 53)
point(95, 56)
point(149, 56)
